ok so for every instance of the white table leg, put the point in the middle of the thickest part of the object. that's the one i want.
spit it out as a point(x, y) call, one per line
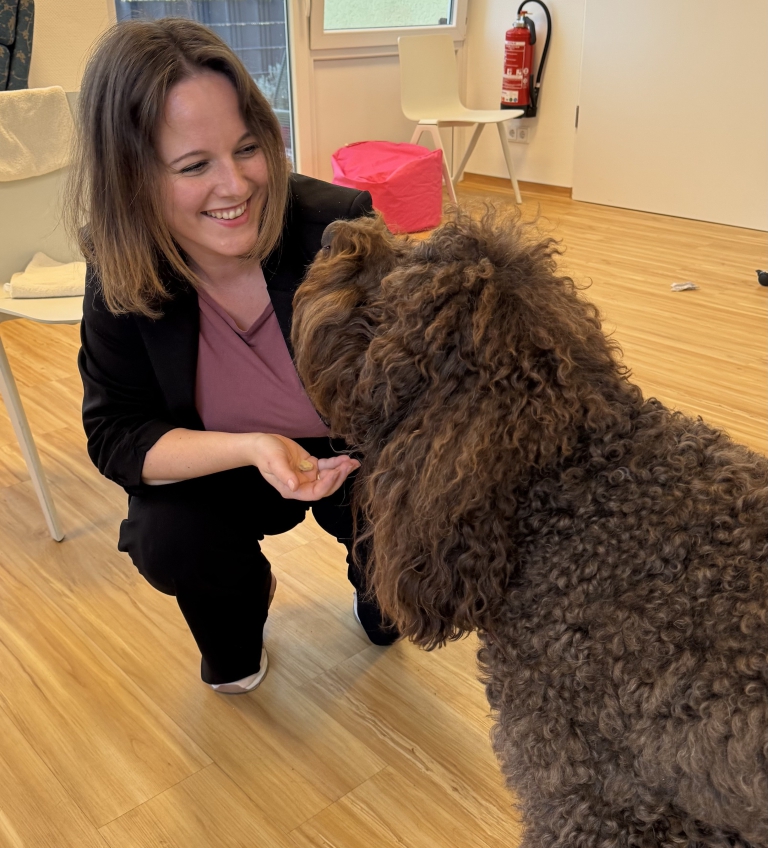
point(20, 424)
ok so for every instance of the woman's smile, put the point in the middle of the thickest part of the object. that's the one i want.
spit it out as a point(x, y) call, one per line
point(233, 216)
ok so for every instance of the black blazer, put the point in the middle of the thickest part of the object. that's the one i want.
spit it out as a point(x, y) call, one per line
point(139, 374)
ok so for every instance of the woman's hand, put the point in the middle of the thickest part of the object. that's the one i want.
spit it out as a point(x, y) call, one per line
point(295, 473)
point(183, 454)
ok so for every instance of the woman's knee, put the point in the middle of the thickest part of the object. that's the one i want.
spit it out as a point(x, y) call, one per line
point(175, 536)
point(164, 548)
point(204, 532)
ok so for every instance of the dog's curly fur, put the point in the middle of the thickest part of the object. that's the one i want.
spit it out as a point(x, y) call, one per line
point(611, 554)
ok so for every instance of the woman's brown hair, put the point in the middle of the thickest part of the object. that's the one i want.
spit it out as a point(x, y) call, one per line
point(113, 198)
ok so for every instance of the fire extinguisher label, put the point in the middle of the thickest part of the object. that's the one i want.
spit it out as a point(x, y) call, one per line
point(513, 56)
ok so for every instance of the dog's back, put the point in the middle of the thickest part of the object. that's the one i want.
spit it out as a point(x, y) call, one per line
point(633, 662)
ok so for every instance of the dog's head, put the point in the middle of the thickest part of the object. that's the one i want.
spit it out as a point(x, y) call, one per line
point(336, 313)
point(460, 366)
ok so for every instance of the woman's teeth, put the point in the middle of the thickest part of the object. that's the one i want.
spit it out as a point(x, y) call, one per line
point(229, 214)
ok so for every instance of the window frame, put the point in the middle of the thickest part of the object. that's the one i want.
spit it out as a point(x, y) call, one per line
point(319, 39)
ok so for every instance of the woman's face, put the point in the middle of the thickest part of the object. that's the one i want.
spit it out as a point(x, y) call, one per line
point(215, 184)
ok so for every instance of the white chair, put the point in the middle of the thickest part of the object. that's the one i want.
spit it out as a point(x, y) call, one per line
point(429, 94)
point(30, 222)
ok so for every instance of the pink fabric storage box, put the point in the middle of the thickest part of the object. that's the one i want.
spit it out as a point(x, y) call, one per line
point(405, 181)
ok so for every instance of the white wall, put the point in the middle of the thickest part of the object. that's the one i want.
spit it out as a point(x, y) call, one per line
point(352, 100)
point(674, 109)
point(548, 158)
point(63, 35)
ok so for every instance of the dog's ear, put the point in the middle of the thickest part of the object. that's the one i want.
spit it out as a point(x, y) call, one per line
point(441, 521)
point(488, 372)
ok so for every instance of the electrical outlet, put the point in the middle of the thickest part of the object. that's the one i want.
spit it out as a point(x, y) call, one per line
point(517, 132)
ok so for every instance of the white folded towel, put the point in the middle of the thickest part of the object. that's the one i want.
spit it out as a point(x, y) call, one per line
point(45, 277)
point(35, 132)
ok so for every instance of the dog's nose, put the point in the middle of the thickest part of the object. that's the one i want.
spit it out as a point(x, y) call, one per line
point(327, 238)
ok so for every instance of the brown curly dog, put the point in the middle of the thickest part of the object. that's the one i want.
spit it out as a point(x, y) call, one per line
point(611, 554)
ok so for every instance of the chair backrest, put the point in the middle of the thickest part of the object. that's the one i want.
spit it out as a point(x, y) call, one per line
point(429, 79)
point(30, 220)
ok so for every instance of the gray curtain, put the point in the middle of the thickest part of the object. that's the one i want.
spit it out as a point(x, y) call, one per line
point(16, 23)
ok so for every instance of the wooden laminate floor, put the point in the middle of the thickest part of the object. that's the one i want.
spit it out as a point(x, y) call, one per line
point(107, 735)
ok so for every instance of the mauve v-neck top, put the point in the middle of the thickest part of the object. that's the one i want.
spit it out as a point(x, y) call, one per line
point(246, 379)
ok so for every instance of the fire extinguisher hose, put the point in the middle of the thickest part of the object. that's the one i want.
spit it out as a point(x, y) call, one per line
point(535, 86)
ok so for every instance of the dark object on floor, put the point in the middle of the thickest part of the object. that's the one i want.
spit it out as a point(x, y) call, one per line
point(368, 615)
point(611, 554)
point(762, 277)
point(16, 24)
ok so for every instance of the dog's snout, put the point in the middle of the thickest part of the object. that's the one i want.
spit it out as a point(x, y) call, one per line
point(327, 237)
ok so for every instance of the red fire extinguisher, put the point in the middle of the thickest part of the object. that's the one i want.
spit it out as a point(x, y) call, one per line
point(518, 89)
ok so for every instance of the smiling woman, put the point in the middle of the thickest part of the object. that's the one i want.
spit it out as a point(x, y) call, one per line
point(215, 194)
point(149, 73)
point(196, 239)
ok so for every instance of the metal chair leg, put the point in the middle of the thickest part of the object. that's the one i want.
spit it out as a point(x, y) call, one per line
point(20, 424)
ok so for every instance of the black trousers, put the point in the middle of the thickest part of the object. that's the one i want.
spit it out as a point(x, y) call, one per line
point(199, 540)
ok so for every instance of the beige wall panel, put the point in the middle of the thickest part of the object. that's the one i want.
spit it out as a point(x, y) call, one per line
point(674, 109)
point(355, 100)
point(64, 33)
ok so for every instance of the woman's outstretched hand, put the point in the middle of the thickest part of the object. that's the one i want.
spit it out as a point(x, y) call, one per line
point(295, 473)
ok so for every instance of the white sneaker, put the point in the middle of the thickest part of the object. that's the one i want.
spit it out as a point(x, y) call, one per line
point(246, 684)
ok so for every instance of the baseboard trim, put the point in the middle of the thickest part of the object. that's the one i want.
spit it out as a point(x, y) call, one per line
point(499, 183)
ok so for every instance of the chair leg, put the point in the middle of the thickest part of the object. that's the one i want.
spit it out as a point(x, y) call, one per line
point(467, 153)
point(420, 128)
point(20, 424)
point(434, 131)
point(508, 159)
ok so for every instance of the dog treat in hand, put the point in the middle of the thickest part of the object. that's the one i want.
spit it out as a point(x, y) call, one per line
point(306, 465)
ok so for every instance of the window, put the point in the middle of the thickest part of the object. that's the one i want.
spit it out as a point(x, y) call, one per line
point(255, 29)
point(362, 14)
point(362, 23)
